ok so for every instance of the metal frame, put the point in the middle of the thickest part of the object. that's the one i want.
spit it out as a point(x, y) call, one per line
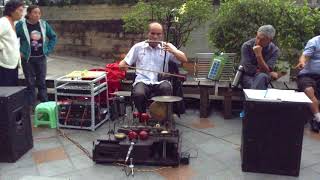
point(94, 91)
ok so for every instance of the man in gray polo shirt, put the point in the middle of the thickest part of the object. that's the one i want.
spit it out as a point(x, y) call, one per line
point(258, 57)
point(309, 78)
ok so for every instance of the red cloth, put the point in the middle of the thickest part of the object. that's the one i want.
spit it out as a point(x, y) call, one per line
point(114, 76)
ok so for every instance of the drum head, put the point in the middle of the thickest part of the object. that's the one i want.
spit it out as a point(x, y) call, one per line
point(158, 111)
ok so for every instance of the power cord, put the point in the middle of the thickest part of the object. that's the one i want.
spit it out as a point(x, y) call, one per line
point(212, 135)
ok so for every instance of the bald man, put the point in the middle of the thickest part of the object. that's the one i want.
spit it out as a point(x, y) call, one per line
point(150, 55)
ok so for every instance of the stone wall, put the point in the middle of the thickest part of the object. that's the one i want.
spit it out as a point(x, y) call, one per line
point(84, 12)
point(96, 30)
point(99, 38)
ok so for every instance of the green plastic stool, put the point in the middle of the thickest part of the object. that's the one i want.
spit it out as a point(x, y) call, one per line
point(48, 111)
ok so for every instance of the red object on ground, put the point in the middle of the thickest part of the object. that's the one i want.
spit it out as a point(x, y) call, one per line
point(143, 135)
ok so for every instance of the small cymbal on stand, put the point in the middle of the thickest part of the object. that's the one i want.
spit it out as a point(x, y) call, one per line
point(166, 99)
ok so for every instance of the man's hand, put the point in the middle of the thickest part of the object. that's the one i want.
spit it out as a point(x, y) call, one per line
point(257, 50)
point(300, 65)
point(302, 61)
point(123, 66)
point(176, 52)
point(277, 75)
point(170, 48)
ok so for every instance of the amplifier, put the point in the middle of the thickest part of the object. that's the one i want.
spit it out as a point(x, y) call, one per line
point(15, 125)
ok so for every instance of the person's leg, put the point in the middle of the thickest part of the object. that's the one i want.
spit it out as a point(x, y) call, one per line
point(260, 81)
point(14, 77)
point(3, 74)
point(246, 81)
point(8, 77)
point(41, 72)
point(163, 89)
point(140, 94)
point(308, 86)
point(29, 75)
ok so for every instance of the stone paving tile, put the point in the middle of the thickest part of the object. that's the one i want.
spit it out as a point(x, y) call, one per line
point(181, 172)
point(55, 167)
point(48, 155)
point(44, 144)
point(16, 174)
point(25, 161)
point(81, 161)
point(73, 150)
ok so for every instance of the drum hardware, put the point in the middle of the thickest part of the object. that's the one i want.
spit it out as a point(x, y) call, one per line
point(131, 166)
point(153, 145)
point(168, 100)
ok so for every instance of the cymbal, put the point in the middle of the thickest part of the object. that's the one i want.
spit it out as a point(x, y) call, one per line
point(166, 99)
point(122, 93)
point(158, 111)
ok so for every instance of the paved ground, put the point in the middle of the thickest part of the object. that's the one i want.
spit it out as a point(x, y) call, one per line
point(215, 152)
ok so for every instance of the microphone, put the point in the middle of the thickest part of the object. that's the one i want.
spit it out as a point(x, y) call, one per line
point(129, 152)
point(238, 76)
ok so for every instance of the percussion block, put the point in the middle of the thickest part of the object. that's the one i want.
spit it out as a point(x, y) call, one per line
point(144, 117)
point(136, 114)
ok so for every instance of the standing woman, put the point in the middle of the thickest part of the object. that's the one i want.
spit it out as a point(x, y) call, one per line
point(37, 40)
point(9, 44)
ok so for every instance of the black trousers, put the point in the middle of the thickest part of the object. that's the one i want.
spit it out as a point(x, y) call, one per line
point(309, 80)
point(8, 77)
point(35, 71)
point(142, 92)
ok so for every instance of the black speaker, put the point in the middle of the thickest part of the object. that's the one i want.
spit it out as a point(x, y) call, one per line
point(272, 134)
point(15, 125)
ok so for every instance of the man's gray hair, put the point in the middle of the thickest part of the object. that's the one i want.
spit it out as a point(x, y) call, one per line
point(267, 30)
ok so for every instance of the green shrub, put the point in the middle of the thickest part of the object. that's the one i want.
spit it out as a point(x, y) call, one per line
point(237, 21)
point(185, 15)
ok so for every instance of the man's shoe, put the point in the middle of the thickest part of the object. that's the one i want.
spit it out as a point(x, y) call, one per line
point(314, 126)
